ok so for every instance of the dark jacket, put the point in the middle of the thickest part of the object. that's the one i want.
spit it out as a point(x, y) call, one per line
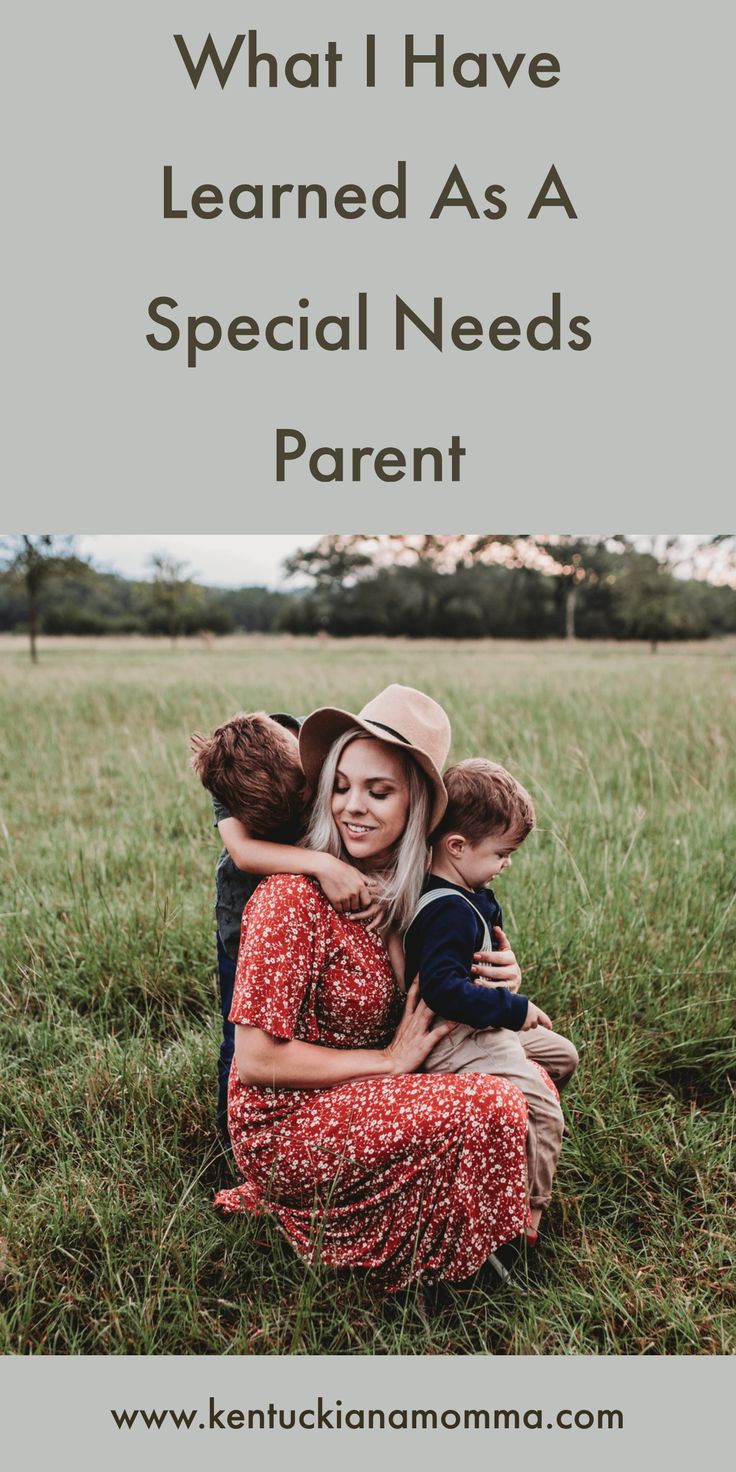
point(440, 944)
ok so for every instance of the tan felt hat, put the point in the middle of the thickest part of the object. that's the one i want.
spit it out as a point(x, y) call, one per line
point(399, 716)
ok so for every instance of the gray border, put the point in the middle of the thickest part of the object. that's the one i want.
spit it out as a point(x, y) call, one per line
point(103, 433)
point(676, 1413)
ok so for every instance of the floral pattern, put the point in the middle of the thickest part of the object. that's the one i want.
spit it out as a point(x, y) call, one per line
point(419, 1176)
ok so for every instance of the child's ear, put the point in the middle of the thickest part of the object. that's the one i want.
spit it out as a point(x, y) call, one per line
point(455, 845)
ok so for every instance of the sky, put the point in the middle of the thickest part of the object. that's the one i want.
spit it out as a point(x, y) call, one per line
point(218, 561)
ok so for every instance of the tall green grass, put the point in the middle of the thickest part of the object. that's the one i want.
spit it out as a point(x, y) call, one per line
point(621, 911)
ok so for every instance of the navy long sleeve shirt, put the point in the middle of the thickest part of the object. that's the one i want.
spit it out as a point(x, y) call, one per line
point(440, 944)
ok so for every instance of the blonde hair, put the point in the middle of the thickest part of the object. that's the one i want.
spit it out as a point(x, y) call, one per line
point(401, 883)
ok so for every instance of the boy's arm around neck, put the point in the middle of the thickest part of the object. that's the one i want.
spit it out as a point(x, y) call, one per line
point(261, 856)
point(345, 887)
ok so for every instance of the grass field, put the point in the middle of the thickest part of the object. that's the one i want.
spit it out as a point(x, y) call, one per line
point(620, 909)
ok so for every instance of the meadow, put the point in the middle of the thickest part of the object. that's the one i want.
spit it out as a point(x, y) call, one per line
point(620, 908)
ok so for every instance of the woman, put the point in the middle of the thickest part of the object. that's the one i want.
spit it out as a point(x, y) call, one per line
point(362, 1161)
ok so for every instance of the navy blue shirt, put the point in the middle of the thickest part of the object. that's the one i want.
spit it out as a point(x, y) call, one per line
point(440, 944)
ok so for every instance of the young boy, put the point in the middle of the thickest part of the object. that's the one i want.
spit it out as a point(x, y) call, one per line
point(250, 765)
point(468, 972)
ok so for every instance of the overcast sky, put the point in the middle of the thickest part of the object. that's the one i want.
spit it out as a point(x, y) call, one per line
point(228, 562)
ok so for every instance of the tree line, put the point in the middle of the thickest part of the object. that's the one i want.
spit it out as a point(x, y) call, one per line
point(46, 588)
point(420, 587)
point(525, 587)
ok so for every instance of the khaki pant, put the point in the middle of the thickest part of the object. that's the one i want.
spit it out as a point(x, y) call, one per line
point(509, 1055)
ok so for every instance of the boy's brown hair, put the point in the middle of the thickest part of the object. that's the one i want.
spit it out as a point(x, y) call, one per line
point(252, 767)
point(484, 798)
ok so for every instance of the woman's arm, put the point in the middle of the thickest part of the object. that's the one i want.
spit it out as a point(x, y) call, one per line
point(267, 1061)
point(345, 887)
point(263, 1060)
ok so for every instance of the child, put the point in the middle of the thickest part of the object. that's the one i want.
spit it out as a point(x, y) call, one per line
point(468, 972)
point(250, 766)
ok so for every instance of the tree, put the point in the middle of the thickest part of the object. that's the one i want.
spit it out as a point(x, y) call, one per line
point(572, 561)
point(333, 562)
point(433, 551)
point(174, 598)
point(470, 585)
point(31, 561)
point(569, 555)
point(648, 598)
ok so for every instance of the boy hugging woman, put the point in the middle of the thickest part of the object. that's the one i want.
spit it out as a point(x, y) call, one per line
point(454, 942)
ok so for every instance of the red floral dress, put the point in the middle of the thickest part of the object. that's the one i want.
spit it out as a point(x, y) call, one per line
point(419, 1176)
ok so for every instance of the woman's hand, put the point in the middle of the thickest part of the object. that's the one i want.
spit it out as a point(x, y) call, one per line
point(270, 1062)
point(497, 968)
point(413, 1041)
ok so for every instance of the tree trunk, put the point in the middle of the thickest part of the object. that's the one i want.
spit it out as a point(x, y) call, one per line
point(33, 626)
point(654, 645)
point(571, 594)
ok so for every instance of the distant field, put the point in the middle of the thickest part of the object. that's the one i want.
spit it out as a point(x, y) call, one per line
point(621, 909)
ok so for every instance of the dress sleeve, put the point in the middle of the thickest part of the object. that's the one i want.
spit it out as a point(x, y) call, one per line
point(283, 948)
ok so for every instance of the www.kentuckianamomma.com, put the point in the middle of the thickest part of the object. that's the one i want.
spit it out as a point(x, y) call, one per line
point(325, 1415)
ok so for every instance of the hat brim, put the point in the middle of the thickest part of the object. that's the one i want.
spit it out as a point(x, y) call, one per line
point(323, 727)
